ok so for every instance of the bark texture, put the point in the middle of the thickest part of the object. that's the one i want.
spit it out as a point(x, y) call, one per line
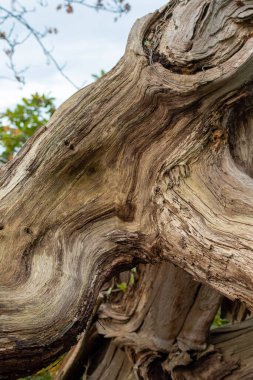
point(152, 163)
point(160, 329)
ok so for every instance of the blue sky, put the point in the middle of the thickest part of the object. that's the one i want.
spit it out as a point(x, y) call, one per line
point(87, 42)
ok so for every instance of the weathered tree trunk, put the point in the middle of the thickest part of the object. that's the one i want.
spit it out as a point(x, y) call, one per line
point(152, 164)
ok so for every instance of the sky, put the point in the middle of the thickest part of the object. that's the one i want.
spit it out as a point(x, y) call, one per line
point(87, 42)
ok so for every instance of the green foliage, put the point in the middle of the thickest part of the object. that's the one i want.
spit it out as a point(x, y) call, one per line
point(99, 75)
point(45, 376)
point(133, 273)
point(47, 373)
point(18, 124)
point(218, 321)
point(122, 286)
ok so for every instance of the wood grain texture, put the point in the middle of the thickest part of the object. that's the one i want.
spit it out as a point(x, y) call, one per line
point(142, 166)
point(164, 332)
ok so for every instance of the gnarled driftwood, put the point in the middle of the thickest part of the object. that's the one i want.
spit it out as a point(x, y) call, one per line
point(151, 163)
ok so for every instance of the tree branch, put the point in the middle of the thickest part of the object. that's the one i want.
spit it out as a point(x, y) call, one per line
point(129, 171)
point(16, 14)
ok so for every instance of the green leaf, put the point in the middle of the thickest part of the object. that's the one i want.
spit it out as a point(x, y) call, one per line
point(18, 124)
point(122, 286)
point(218, 321)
